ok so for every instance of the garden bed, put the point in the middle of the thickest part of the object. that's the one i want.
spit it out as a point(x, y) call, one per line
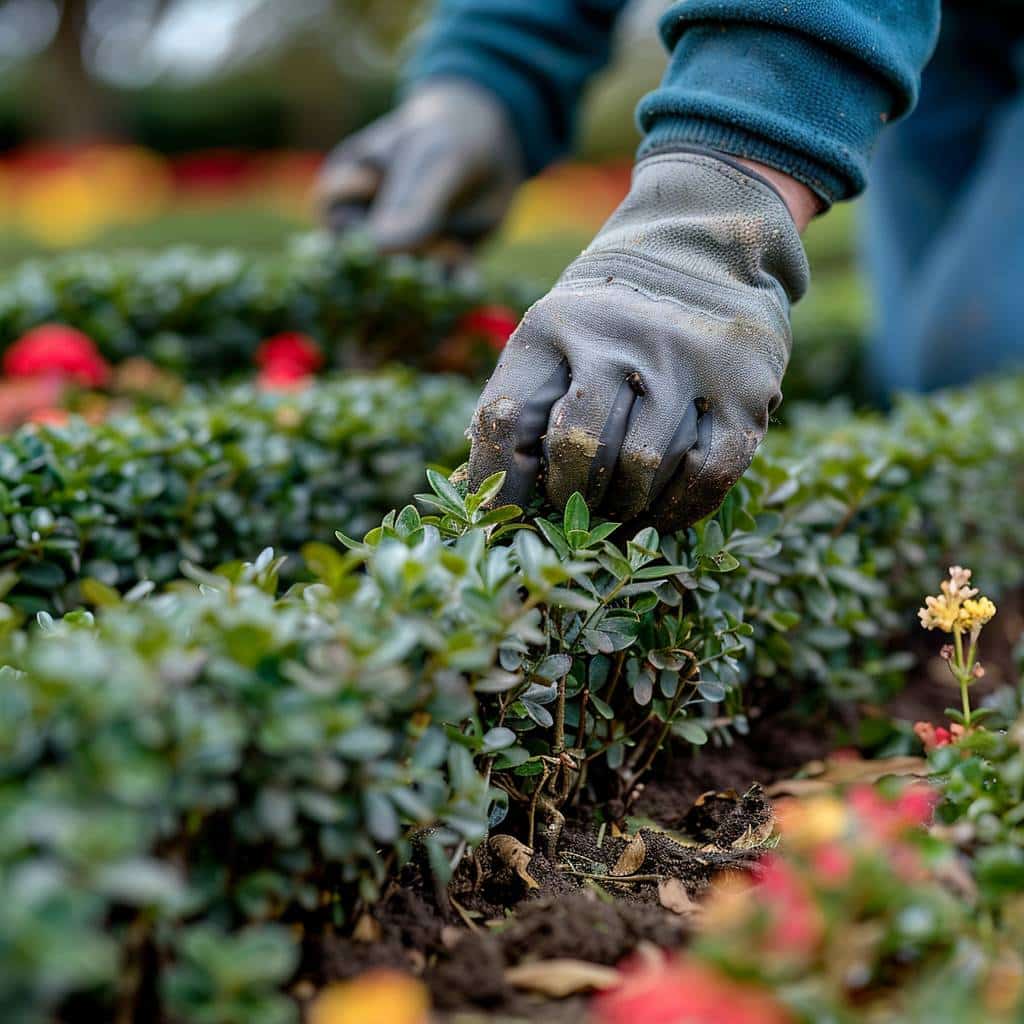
point(472, 743)
point(213, 789)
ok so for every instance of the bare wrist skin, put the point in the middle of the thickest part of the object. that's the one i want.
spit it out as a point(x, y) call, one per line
point(803, 204)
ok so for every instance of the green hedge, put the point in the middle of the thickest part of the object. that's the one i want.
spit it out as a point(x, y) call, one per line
point(203, 314)
point(187, 773)
point(222, 475)
point(217, 758)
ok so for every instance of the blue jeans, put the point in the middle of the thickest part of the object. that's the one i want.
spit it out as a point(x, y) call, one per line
point(944, 237)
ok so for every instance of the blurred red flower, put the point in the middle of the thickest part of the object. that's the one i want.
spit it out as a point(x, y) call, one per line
point(889, 819)
point(50, 417)
point(685, 992)
point(796, 924)
point(832, 864)
point(290, 351)
point(56, 350)
point(495, 324)
point(283, 377)
point(21, 399)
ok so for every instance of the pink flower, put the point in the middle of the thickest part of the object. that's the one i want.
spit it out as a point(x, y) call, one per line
point(55, 350)
point(685, 992)
point(495, 324)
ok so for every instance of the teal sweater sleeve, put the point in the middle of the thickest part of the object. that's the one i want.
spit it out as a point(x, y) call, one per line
point(804, 86)
point(536, 55)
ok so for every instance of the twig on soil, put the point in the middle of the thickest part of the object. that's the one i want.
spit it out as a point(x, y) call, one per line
point(464, 914)
point(618, 879)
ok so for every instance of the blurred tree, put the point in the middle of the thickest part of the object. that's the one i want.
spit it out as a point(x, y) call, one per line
point(76, 109)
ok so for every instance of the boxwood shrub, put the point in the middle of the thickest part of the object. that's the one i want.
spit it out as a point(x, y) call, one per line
point(223, 474)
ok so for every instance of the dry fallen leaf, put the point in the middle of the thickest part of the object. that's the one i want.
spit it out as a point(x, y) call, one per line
point(367, 929)
point(515, 855)
point(673, 896)
point(632, 857)
point(559, 978)
point(824, 776)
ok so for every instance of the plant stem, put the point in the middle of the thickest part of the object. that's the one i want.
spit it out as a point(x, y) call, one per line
point(559, 744)
point(963, 676)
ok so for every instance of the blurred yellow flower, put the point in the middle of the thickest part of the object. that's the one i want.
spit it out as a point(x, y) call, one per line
point(377, 997)
point(811, 822)
point(61, 209)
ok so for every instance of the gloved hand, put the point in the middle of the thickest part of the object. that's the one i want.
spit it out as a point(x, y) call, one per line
point(646, 377)
point(444, 166)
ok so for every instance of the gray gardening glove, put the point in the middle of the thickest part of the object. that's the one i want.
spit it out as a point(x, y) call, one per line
point(443, 166)
point(646, 377)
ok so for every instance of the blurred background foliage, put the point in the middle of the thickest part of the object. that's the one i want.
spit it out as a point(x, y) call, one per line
point(142, 123)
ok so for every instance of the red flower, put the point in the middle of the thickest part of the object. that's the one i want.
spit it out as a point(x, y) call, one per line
point(283, 377)
point(495, 324)
point(55, 350)
point(888, 819)
point(934, 736)
point(832, 863)
point(685, 992)
point(917, 803)
point(796, 923)
point(50, 417)
point(290, 351)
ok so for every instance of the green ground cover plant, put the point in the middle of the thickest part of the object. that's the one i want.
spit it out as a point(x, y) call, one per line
point(203, 781)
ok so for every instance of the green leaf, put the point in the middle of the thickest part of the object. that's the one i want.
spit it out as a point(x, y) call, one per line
point(499, 515)
point(497, 739)
point(539, 714)
point(577, 515)
point(713, 539)
point(490, 488)
point(554, 536)
point(723, 561)
point(554, 666)
point(602, 532)
point(99, 594)
point(690, 731)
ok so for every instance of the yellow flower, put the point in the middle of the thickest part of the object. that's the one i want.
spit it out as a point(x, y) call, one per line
point(380, 996)
point(939, 613)
point(976, 612)
point(957, 608)
point(811, 822)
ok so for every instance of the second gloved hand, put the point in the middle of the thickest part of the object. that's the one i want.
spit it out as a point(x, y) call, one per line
point(442, 167)
point(646, 377)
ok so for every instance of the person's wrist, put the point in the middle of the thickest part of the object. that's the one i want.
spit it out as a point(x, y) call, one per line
point(803, 204)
